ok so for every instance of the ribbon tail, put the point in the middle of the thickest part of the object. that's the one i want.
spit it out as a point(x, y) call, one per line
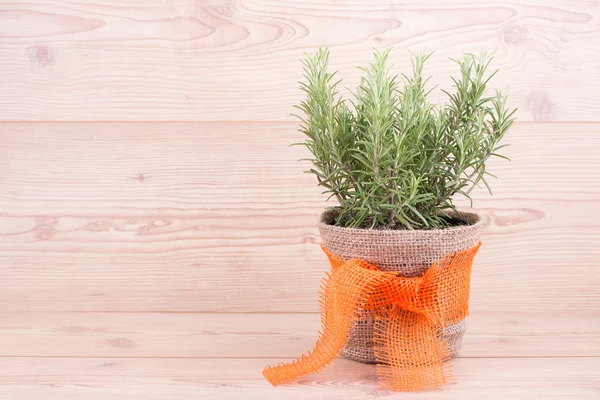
point(342, 295)
point(410, 355)
point(410, 347)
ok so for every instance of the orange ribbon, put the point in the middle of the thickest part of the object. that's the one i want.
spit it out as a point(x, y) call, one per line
point(410, 317)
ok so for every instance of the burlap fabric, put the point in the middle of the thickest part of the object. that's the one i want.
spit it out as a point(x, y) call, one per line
point(409, 252)
point(411, 316)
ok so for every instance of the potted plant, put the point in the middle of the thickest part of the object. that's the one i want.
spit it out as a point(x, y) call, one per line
point(400, 251)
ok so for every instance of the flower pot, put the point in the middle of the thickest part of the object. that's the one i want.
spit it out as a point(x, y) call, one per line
point(409, 252)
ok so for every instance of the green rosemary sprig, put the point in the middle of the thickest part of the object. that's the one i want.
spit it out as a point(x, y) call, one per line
point(393, 160)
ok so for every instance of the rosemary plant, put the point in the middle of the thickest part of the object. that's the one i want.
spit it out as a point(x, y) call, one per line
point(390, 158)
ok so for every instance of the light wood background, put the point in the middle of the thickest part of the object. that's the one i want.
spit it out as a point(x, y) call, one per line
point(158, 237)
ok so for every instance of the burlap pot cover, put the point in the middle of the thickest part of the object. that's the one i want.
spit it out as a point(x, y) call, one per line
point(409, 252)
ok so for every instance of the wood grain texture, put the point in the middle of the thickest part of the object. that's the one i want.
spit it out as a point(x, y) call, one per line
point(174, 260)
point(239, 60)
point(160, 379)
point(219, 217)
point(183, 335)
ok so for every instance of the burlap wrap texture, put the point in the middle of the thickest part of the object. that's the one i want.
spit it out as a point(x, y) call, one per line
point(409, 252)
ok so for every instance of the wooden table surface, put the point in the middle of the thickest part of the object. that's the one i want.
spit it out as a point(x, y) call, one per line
point(158, 237)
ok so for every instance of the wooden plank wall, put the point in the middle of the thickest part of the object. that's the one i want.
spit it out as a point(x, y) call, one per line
point(224, 60)
point(154, 218)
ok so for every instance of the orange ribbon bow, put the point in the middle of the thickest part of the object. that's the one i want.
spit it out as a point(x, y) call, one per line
point(410, 317)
